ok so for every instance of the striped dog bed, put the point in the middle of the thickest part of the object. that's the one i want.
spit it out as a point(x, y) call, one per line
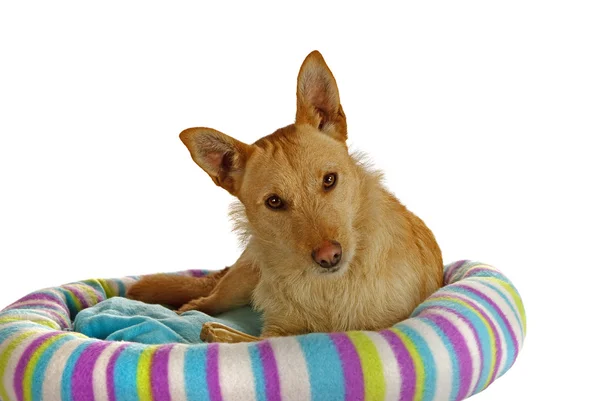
point(457, 342)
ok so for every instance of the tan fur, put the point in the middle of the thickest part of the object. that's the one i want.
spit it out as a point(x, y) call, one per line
point(390, 262)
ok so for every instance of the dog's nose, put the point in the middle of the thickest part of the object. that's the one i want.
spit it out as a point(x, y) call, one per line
point(328, 254)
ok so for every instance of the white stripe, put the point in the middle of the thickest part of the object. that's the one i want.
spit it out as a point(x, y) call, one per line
point(99, 372)
point(51, 388)
point(518, 332)
point(291, 365)
point(493, 323)
point(11, 365)
point(513, 320)
point(176, 372)
point(391, 371)
point(471, 340)
point(25, 316)
point(235, 372)
point(441, 358)
point(56, 307)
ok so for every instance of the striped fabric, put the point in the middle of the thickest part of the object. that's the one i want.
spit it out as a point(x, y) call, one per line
point(456, 343)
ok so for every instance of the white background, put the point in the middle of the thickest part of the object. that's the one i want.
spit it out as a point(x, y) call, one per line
point(484, 117)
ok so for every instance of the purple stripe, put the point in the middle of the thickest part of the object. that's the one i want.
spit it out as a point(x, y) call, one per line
point(461, 351)
point(37, 296)
point(110, 373)
point(474, 271)
point(490, 321)
point(471, 327)
point(270, 372)
point(82, 383)
point(57, 317)
point(500, 313)
point(159, 373)
point(80, 296)
point(24, 360)
point(405, 364)
point(212, 372)
point(353, 374)
point(452, 269)
point(196, 273)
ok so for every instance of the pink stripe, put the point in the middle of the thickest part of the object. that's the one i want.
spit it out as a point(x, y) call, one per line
point(405, 364)
point(159, 373)
point(212, 372)
point(110, 373)
point(353, 374)
point(452, 269)
point(471, 327)
point(37, 296)
point(490, 321)
point(80, 296)
point(513, 337)
point(461, 351)
point(24, 360)
point(82, 384)
point(270, 372)
point(56, 316)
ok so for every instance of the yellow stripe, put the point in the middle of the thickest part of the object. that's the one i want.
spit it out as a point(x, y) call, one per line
point(107, 288)
point(31, 365)
point(517, 300)
point(143, 374)
point(5, 356)
point(417, 362)
point(371, 366)
point(73, 298)
point(48, 323)
point(493, 344)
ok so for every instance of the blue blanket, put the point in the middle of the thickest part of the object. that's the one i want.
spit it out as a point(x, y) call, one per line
point(122, 319)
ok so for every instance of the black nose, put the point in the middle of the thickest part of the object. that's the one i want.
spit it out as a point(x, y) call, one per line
point(328, 254)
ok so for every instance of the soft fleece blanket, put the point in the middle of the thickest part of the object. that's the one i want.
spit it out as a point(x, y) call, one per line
point(122, 319)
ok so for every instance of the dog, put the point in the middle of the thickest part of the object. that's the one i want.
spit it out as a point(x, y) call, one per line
point(327, 247)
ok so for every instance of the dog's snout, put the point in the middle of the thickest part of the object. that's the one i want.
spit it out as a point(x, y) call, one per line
point(328, 254)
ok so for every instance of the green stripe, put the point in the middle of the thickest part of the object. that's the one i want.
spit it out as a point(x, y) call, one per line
point(371, 365)
point(5, 356)
point(143, 373)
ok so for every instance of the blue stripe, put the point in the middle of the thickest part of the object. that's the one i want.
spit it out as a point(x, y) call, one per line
point(121, 288)
point(510, 346)
point(65, 388)
point(480, 331)
point(426, 356)
point(508, 301)
point(324, 367)
point(125, 376)
point(39, 372)
point(454, 380)
point(194, 369)
point(257, 372)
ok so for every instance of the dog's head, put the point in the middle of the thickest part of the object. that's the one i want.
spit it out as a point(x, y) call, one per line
point(298, 185)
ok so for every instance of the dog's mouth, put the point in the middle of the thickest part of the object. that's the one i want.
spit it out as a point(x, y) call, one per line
point(334, 271)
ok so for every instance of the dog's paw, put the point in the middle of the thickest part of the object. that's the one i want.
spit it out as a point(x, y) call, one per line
point(143, 290)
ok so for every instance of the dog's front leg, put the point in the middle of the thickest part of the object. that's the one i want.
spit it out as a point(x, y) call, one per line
point(233, 290)
point(213, 332)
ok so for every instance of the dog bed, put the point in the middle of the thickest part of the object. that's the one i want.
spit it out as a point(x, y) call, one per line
point(455, 344)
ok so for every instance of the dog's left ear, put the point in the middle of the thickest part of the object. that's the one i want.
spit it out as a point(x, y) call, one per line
point(318, 99)
point(221, 156)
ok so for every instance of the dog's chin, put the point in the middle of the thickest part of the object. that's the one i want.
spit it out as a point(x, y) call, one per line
point(332, 272)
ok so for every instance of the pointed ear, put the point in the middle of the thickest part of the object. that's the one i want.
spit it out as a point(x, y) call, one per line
point(318, 99)
point(221, 156)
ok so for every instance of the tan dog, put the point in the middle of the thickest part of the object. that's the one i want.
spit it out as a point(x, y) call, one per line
point(328, 248)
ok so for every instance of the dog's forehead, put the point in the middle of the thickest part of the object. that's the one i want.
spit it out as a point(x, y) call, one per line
point(298, 159)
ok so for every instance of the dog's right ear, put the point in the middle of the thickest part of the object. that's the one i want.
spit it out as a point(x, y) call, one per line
point(221, 156)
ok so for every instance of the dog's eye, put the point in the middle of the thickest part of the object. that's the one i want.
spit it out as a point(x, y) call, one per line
point(274, 202)
point(329, 181)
